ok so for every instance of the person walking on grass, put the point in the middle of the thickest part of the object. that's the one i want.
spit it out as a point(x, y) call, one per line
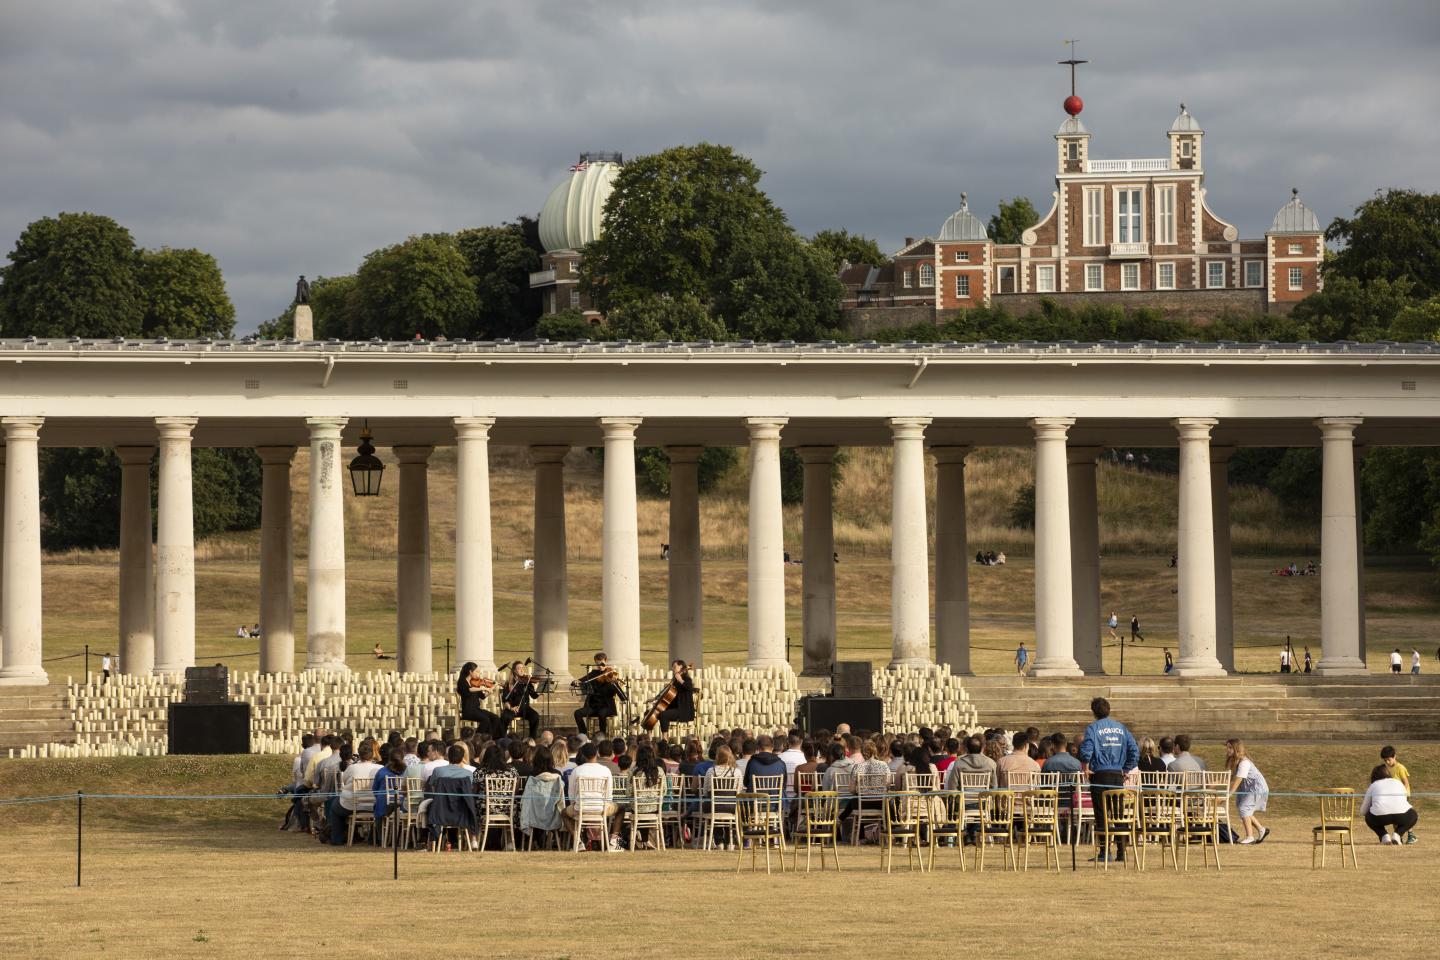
point(1169, 661)
point(1395, 661)
point(1022, 660)
point(1112, 623)
point(1251, 791)
point(1135, 633)
point(1414, 662)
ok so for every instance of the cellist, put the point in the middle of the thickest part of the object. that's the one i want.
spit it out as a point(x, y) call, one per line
point(682, 708)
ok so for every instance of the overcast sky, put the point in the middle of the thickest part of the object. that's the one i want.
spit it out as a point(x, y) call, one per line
point(289, 137)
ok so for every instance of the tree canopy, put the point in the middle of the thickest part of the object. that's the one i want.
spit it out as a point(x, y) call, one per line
point(72, 274)
point(1012, 219)
point(184, 295)
point(422, 286)
point(842, 246)
point(1393, 236)
point(500, 261)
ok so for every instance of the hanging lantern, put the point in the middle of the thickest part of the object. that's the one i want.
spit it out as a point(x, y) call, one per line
point(366, 469)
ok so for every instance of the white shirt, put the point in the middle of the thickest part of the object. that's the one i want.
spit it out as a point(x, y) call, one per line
point(1395, 659)
point(1167, 758)
point(1414, 659)
point(1385, 798)
point(297, 770)
point(591, 771)
point(791, 759)
point(356, 771)
point(105, 662)
point(1284, 658)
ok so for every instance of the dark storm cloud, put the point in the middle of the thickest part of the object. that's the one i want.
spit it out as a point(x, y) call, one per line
point(291, 137)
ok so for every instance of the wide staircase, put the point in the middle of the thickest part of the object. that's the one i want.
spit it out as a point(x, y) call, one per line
point(1251, 706)
point(39, 715)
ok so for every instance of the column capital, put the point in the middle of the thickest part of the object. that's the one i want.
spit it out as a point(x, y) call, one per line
point(175, 428)
point(908, 428)
point(135, 456)
point(412, 454)
point(1080, 455)
point(765, 428)
point(276, 455)
point(22, 428)
point(619, 428)
point(1194, 428)
point(549, 453)
point(325, 428)
point(1051, 428)
point(951, 454)
point(684, 454)
point(1222, 453)
point(817, 454)
point(473, 428)
point(1338, 428)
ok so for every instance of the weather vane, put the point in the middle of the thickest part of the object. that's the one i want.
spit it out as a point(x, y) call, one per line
point(1073, 104)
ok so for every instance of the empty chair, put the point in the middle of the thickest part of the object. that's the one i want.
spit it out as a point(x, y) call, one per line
point(997, 826)
point(1159, 823)
point(947, 823)
point(1337, 825)
point(902, 826)
point(1040, 823)
point(1200, 824)
point(819, 825)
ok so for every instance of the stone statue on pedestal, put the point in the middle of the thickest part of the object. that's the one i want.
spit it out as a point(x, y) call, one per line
point(302, 290)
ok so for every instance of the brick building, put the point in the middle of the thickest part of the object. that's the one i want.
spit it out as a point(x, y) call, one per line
point(569, 220)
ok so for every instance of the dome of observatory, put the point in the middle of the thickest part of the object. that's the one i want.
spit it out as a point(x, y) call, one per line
point(571, 215)
point(1295, 217)
point(963, 225)
point(1185, 122)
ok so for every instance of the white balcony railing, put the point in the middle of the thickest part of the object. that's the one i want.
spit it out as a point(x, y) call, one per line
point(1128, 166)
point(1129, 251)
point(541, 278)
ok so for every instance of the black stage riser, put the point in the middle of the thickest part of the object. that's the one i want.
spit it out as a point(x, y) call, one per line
point(209, 728)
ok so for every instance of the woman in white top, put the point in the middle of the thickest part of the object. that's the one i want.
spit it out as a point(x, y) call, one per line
point(1386, 805)
point(1251, 791)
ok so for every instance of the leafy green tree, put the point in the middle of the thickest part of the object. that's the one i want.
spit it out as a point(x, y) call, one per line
point(184, 295)
point(570, 324)
point(73, 274)
point(1400, 487)
point(1420, 320)
point(652, 467)
point(1348, 309)
point(79, 498)
point(1393, 236)
point(841, 246)
point(1022, 508)
point(1012, 219)
point(500, 262)
point(420, 286)
point(1295, 481)
point(664, 318)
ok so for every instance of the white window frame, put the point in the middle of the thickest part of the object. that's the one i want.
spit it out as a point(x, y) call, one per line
point(1160, 282)
point(1000, 278)
point(1093, 201)
point(1185, 149)
point(962, 256)
point(908, 279)
point(1045, 278)
point(1133, 220)
point(1094, 276)
point(962, 287)
point(1210, 266)
point(1129, 276)
point(1165, 213)
point(1259, 266)
point(927, 275)
point(574, 267)
point(1072, 150)
point(1296, 249)
point(574, 296)
point(1296, 276)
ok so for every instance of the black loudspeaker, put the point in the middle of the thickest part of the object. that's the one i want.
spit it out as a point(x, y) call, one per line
point(827, 713)
point(209, 728)
point(852, 678)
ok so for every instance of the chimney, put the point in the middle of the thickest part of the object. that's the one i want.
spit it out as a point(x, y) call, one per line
point(909, 240)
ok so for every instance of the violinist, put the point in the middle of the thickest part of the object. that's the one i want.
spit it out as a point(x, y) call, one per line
point(515, 700)
point(600, 687)
point(682, 708)
point(471, 689)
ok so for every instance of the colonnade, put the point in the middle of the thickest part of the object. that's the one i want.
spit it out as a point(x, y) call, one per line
point(157, 589)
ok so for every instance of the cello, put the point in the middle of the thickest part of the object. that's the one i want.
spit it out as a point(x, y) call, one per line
point(663, 701)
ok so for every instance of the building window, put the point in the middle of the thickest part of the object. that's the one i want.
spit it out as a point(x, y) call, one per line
point(1129, 276)
point(909, 279)
point(1094, 276)
point(1072, 150)
point(1254, 275)
point(1128, 225)
point(1045, 279)
point(962, 287)
point(550, 301)
point(574, 296)
point(1215, 274)
point(574, 267)
point(1185, 149)
point(1164, 276)
point(1296, 250)
point(962, 256)
point(927, 275)
point(1165, 213)
point(1005, 279)
point(1297, 278)
point(1094, 203)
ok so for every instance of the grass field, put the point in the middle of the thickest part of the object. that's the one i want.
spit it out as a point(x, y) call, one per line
point(216, 879)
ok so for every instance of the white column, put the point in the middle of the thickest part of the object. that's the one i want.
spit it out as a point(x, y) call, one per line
point(1196, 550)
point(952, 567)
point(1339, 551)
point(2, 549)
point(686, 634)
point(20, 566)
point(766, 579)
point(620, 546)
point(412, 562)
point(474, 556)
point(1360, 646)
point(325, 587)
point(1224, 581)
point(175, 550)
point(818, 575)
point(1054, 613)
point(137, 563)
point(909, 545)
point(1085, 557)
point(551, 583)
point(277, 561)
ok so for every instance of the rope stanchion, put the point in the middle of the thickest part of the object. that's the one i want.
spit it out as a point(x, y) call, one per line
point(79, 832)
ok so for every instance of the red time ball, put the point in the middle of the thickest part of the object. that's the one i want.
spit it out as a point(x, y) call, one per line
point(1073, 105)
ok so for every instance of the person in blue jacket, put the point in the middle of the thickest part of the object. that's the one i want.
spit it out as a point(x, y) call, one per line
point(1110, 751)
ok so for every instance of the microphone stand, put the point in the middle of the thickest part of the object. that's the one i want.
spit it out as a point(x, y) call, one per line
point(549, 686)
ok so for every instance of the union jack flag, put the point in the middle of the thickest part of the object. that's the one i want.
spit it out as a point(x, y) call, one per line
point(577, 167)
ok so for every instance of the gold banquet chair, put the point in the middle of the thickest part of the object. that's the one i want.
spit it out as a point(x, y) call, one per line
point(997, 826)
point(1337, 824)
point(1040, 823)
point(758, 827)
point(819, 826)
point(902, 825)
point(1122, 821)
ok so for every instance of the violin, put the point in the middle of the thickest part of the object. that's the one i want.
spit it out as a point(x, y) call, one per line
point(664, 701)
point(480, 683)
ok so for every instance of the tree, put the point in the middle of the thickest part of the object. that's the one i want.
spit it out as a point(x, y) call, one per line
point(841, 246)
point(1401, 487)
point(652, 467)
point(1012, 219)
point(332, 306)
point(1393, 236)
point(184, 295)
point(420, 286)
point(1349, 309)
point(569, 324)
point(73, 274)
point(500, 262)
point(664, 318)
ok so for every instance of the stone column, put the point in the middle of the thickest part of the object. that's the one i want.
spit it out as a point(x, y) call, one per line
point(766, 581)
point(818, 576)
point(277, 561)
point(2, 549)
point(412, 562)
point(325, 589)
point(20, 623)
point(1360, 646)
point(952, 566)
point(1224, 581)
point(1085, 558)
point(1054, 611)
point(1339, 550)
point(175, 550)
point(137, 563)
point(474, 555)
point(686, 634)
point(620, 546)
point(551, 583)
point(909, 545)
point(1196, 552)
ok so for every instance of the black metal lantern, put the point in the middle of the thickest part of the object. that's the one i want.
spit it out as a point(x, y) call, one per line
point(366, 469)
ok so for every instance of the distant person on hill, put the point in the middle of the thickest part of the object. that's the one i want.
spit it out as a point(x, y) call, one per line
point(1414, 662)
point(1112, 623)
point(1395, 662)
point(1309, 661)
point(1000, 558)
point(380, 653)
point(1022, 660)
point(1251, 791)
point(105, 669)
point(1135, 633)
point(1169, 661)
point(1285, 657)
point(1385, 805)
